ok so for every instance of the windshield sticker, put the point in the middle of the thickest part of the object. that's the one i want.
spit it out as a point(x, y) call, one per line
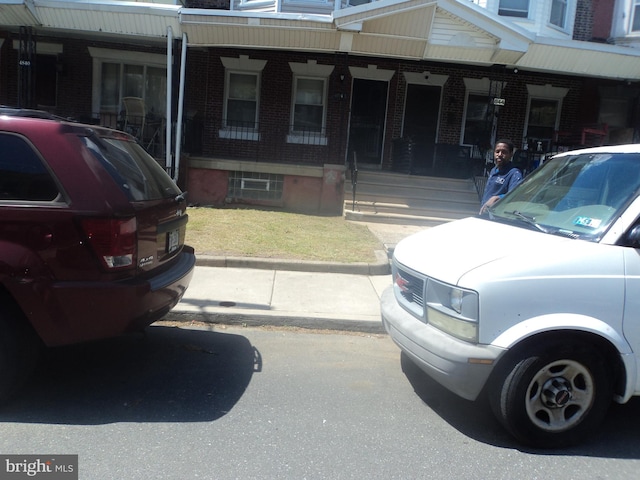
point(587, 222)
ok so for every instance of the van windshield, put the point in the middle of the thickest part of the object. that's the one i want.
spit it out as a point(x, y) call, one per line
point(577, 196)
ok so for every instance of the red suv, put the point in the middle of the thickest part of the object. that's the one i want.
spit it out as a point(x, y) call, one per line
point(91, 238)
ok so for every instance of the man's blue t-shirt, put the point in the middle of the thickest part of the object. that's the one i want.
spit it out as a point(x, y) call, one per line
point(501, 181)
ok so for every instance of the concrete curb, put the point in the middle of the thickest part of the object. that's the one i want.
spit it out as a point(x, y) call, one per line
point(261, 320)
point(380, 267)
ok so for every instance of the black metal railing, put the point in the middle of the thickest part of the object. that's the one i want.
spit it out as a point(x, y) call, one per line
point(211, 137)
point(269, 143)
point(353, 170)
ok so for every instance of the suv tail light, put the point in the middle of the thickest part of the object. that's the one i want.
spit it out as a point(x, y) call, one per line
point(113, 240)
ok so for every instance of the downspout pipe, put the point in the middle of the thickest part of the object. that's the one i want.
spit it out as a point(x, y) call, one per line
point(168, 116)
point(183, 64)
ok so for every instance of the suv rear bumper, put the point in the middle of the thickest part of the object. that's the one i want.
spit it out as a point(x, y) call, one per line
point(90, 311)
point(443, 357)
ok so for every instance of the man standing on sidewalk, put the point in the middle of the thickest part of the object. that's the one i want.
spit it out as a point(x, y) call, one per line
point(504, 176)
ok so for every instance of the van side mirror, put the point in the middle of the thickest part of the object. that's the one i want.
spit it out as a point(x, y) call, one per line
point(633, 237)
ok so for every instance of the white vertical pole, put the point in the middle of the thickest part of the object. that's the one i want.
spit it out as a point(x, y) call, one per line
point(167, 160)
point(183, 63)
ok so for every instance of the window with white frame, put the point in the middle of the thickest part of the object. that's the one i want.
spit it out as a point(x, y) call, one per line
point(635, 16)
point(241, 102)
point(241, 107)
point(514, 8)
point(118, 74)
point(558, 15)
point(309, 102)
point(543, 114)
point(255, 186)
point(477, 123)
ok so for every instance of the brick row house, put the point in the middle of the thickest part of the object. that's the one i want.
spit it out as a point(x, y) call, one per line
point(270, 102)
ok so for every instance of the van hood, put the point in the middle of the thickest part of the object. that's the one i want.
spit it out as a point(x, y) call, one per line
point(449, 251)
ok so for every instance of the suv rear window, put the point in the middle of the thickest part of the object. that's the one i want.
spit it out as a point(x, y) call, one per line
point(23, 176)
point(133, 169)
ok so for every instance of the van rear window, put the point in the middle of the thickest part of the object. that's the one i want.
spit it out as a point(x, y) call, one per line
point(133, 169)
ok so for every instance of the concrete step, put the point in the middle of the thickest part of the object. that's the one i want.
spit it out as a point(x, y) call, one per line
point(411, 181)
point(388, 197)
point(427, 199)
point(432, 210)
point(396, 219)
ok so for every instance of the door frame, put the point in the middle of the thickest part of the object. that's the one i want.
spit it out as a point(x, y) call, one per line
point(371, 72)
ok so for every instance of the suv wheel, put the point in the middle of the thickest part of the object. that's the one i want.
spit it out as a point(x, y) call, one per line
point(553, 397)
point(19, 351)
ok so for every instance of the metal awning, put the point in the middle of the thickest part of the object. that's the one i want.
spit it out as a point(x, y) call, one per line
point(17, 13)
point(582, 58)
point(439, 30)
point(92, 17)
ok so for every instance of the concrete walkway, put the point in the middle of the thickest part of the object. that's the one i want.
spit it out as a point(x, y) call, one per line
point(257, 292)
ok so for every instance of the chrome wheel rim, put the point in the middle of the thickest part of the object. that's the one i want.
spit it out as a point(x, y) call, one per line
point(560, 395)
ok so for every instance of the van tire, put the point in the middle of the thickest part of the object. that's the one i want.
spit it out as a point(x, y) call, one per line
point(19, 353)
point(552, 397)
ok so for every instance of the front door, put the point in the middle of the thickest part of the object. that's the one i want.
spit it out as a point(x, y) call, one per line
point(366, 129)
point(422, 109)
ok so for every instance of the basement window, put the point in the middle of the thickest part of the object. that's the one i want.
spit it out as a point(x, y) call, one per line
point(255, 186)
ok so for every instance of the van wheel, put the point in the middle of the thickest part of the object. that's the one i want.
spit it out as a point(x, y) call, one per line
point(19, 352)
point(553, 397)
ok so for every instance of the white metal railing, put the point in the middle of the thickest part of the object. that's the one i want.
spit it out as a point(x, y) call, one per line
point(308, 6)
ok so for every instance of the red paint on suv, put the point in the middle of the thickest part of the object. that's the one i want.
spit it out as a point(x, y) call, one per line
point(91, 237)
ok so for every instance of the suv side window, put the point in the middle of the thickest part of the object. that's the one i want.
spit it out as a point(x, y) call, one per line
point(22, 174)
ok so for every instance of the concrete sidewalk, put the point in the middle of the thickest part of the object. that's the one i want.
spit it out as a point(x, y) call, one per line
point(257, 292)
point(257, 297)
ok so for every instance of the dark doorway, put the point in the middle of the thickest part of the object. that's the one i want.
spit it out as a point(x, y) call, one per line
point(46, 76)
point(422, 109)
point(366, 131)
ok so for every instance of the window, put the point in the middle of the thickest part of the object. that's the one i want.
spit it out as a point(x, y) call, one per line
point(309, 99)
point(120, 74)
point(123, 80)
point(635, 16)
point(514, 8)
point(477, 122)
point(22, 174)
point(241, 101)
point(309, 102)
point(308, 105)
point(559, 13)
point(543, 114)
point(241, 107)
point(542, 120)
point(255, 186)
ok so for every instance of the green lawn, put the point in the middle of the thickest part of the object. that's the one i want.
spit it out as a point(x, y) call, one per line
point(254, 232)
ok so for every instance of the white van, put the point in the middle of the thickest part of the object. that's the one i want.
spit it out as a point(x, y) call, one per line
point(536, 304)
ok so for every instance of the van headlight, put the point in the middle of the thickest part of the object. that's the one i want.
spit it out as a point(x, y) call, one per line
point(453, 310)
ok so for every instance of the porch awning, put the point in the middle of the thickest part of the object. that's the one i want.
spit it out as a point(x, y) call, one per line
point(582, 58)
point(440, 30)
point(92, 17)
point(17, 13)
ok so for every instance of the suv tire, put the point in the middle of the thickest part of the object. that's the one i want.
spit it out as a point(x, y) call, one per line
point(19, 352)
